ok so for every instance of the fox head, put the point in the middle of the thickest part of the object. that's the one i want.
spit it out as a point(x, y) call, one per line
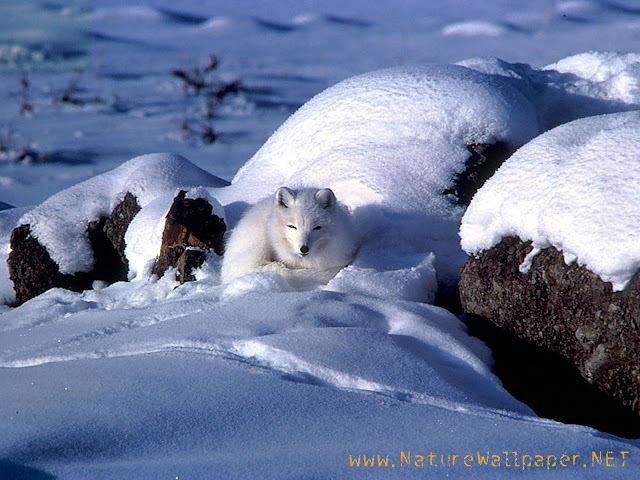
point(302, 223)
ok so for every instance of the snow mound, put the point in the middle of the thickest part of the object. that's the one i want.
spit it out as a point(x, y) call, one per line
point(574, 188)
point(60, 222)
point(474, 28)
point(389, 143)
point(616, 75)
point(400, 133)
point(127, 14)
point(582, 85)
point(345, 342)
point(208, 377)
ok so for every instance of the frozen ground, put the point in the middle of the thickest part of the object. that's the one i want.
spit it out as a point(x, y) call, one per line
point(254, 379)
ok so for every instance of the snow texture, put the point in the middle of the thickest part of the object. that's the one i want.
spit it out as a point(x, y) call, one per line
point(587, 84)
point(386, 133)
point(574, 188)
point(262, 383)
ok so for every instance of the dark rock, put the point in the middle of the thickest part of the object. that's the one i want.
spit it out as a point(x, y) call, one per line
point(565, 309)
point(107, 239)
point(551, 384)
point(107, 264)
point(485, 159)
point(33, 272)
point(448, 297)
point(116, 225)
point(189, 223)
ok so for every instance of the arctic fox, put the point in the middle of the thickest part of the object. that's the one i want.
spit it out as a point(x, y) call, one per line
point(300, 234)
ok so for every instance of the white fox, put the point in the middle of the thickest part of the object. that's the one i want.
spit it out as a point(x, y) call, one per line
point(298, 233)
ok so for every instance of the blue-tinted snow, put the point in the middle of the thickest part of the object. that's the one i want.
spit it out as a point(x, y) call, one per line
point(253, 380)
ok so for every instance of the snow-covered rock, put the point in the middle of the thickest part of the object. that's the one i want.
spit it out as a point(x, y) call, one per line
point(554, 239)
point(394, 137)
point(573, 188)
point(60, 222)
point(587, 84)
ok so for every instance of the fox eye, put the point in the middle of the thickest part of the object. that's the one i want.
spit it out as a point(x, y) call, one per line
point(292, 226)
point(318, 227)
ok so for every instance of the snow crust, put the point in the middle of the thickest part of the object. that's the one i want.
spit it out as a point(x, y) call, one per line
point(60, 222)
point(574, 188)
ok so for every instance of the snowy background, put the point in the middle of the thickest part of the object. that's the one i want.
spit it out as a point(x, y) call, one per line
point(253, 379)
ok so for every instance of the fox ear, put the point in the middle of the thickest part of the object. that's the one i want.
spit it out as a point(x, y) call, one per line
point(325, 198)
point(284, 197)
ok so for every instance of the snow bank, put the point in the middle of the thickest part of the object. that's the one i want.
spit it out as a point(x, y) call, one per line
point(60, 222)
point(612, 76)
point(347, 341)
point(574, 188)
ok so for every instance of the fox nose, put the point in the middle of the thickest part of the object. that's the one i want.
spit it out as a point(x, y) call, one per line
point(304, 249)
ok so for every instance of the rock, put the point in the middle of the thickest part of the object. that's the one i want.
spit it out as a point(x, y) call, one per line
point(116, 225)
point(565, 309)
point(33, 272)
point(107, 264)
point(485, 159)
point(107, 239)
point(483, 162)
point(190, 230)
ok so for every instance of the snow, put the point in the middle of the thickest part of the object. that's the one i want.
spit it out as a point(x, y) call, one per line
point(573, 188)
point(385, 130)
point(255, 366)
point(148, 379)
point(8, 221)
point(474, 28)
point(582, 85)
point(254, 385)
